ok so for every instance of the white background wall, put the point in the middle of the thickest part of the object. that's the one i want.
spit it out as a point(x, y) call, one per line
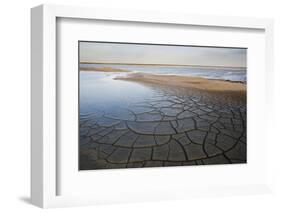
point(15, 104)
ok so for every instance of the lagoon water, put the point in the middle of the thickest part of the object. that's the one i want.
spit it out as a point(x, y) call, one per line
point(100, 92)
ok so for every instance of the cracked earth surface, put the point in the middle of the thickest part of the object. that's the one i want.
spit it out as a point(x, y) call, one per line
point(172, 128)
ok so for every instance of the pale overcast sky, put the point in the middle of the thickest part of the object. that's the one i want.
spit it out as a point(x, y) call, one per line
point(161, 54)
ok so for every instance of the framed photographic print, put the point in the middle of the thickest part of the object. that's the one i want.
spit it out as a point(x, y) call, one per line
point(161, 105)
point(149, 106)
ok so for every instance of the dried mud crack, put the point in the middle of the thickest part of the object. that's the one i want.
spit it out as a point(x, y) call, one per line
point(172, 128)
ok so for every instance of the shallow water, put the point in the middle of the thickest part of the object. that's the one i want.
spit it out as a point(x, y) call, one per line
point(224, 73)
point(99, 91)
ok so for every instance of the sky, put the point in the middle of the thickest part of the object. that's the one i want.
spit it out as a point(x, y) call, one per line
point(162, 54)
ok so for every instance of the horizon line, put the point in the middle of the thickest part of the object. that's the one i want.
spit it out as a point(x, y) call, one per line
point(191, 65)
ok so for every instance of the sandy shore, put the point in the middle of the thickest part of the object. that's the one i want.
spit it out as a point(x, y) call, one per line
point(227, 89)
point(186, 81)
point(102, 69)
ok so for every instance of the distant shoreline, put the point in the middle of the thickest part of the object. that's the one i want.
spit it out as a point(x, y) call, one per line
point(103, 69)
point(115, 70)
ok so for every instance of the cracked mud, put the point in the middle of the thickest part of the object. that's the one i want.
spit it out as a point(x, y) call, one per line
point(173, 127)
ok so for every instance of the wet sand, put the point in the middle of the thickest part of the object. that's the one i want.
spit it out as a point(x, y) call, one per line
point(186, 81)
point(233, 90)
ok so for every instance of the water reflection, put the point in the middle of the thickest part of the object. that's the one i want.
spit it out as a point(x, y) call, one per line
point(99, 90)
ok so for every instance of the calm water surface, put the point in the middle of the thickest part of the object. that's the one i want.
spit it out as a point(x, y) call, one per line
point(99, 90)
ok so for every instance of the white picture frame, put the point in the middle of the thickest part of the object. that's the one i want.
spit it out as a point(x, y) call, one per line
point(44, 169)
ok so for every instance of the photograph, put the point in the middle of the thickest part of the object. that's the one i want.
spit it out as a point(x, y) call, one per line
point(159, 105)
